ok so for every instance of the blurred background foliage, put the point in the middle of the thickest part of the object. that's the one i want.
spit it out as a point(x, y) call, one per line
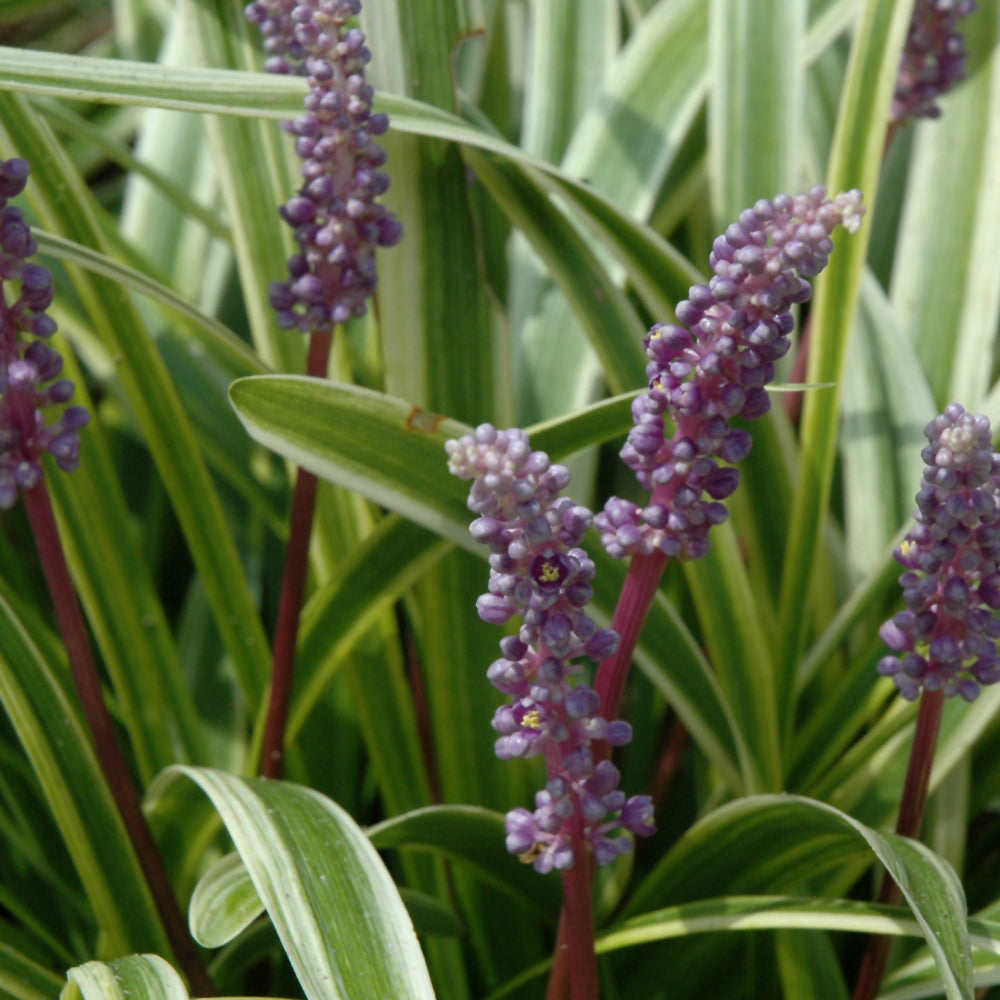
point(561, 168)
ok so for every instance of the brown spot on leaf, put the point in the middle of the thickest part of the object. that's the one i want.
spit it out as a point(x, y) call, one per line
point(423, 421)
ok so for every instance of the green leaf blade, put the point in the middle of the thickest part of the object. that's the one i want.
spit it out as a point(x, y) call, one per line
point(332, 902)
point(146, 976)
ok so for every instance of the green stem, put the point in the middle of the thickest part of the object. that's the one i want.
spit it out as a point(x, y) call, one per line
point(293, 584)
point(109, 754)
point(911, 817)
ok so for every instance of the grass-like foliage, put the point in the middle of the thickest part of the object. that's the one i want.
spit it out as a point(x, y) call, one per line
point(246, 742)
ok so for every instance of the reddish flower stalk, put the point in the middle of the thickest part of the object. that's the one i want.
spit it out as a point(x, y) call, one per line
point(292, 589)
point(338, 224)
point(578, 913)
point(911, 816)
point(638, 592)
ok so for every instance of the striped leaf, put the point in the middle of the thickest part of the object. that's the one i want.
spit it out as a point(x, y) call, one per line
point(331, 900)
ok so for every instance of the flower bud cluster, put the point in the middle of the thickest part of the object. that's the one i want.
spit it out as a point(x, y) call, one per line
point(337, 221)
point(948, 633)
point(714, 368)
point(29, 367)
point(933, 58)
point(539, 572)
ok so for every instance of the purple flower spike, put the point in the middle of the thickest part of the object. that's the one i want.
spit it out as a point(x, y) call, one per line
point(714, 368)
point(29, 368)
point(338, 223)
point(539, 572)
point(933, 58)
point(951, 585)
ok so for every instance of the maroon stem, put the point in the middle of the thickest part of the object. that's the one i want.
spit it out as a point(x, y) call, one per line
point(574, 967)
point(578, 906)
point(293, 584)
point(636, 598)
point(918, 775)
point(911, 817)
point(558, 988)
point(109, 753)
point(641, 583)
point(422, 711)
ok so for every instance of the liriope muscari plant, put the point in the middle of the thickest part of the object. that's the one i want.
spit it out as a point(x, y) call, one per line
point(30, 389)
point(704, 371)
point(702, 374)
point(945, 640)
point(338, 222)
point(338, 225)
point(933, 58)
point(30, 368)
point(539, 572)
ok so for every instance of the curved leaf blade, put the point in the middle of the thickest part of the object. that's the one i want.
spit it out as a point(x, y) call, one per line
point(755, 913)
point(332, 902)
point(224, 903)
point(775, 840)
point(147, 977)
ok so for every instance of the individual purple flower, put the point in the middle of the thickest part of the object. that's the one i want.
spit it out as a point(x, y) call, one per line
point(539, 572)
point(337, 221)
point(29, 367)
point(714, 368)
point(933, 58)
point(947, 636)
